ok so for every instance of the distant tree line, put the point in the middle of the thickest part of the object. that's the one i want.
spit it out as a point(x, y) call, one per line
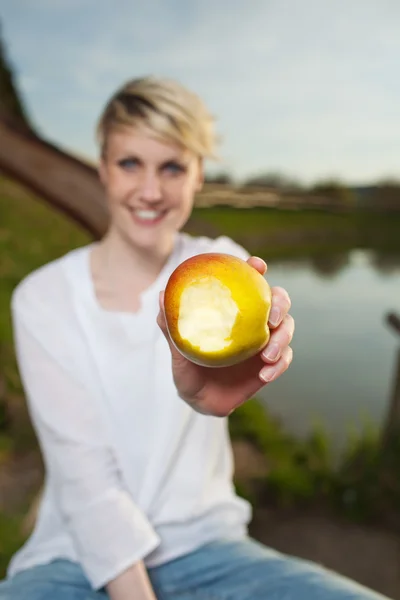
point(383, 194)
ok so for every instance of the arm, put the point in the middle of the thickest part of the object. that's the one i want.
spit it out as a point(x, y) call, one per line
point(133, 584)
point(110, 533)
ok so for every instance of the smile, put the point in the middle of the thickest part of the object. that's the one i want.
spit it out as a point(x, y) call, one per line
point(147, 216)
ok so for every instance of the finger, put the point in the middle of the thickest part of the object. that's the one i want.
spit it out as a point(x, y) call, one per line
point(257, 263)
point(271, 372)
point(280, 306)
point(279, 340)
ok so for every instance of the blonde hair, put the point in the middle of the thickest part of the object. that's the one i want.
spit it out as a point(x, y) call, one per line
point(166, 108)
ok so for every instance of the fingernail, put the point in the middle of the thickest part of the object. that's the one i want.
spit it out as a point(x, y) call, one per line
point(275, 316)
point(272, 352)
point(267, 374)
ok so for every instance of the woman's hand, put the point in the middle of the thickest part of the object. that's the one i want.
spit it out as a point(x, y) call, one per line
point(132, 584)
point(218, 391)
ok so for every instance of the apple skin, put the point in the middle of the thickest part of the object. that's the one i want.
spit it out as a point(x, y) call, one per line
point(249, 293)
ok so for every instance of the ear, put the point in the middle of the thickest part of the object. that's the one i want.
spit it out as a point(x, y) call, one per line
point(200, 176)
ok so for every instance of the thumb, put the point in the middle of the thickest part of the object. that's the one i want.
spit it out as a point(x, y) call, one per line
point(257, 263)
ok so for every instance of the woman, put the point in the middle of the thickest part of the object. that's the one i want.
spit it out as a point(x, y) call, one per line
point(138, 500)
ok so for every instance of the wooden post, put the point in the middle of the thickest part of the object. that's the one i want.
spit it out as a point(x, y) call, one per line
point(392, 426)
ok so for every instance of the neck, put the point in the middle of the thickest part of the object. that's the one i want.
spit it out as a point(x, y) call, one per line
point(125, 266)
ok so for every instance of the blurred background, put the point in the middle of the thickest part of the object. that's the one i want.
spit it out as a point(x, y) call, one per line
point(306, 96)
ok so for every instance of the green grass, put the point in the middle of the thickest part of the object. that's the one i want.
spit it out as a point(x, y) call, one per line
point(11, 539)
point(274, 233)
point(257, 220)
point(362, 485)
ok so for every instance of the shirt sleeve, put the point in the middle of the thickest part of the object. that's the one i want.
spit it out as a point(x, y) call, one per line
point(110, 532)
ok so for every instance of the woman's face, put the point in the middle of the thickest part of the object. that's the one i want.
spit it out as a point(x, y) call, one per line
point(150, 186)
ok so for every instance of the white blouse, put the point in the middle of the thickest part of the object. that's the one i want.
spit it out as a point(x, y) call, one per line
point(132, 471)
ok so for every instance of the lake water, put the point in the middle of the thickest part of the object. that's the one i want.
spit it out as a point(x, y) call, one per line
point(344, 353)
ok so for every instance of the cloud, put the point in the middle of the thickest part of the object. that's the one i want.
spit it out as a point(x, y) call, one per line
point(306, 87)
point(54, 5)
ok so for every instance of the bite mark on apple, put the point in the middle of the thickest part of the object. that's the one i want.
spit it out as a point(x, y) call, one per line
point(207, 315)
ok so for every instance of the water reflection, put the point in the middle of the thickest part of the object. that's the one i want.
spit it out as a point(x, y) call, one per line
point(330, 265)
point(386, 262)
point(342, 373)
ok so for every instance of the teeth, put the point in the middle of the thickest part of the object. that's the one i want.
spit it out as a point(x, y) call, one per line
point(148, 214)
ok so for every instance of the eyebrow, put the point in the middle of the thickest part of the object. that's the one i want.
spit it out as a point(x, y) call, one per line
point(165, 162)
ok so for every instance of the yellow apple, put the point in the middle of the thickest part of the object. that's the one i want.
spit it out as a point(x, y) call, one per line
point(217, 308)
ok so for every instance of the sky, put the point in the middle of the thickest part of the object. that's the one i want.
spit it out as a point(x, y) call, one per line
point(307, 88)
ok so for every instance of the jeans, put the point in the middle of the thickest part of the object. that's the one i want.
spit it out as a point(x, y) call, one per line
point(222, 570)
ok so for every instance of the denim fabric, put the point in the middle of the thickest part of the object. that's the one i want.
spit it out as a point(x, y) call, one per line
point(222, 570)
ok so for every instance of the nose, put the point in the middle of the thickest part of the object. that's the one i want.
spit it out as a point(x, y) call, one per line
point(150, 190)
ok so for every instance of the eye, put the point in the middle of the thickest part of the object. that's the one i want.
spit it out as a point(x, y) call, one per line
point(128, 164)
point(174, 168)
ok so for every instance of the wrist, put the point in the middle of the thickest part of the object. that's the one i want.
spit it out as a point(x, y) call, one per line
point(132, 584)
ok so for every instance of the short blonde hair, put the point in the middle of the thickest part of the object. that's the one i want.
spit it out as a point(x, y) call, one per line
point(166, 108)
